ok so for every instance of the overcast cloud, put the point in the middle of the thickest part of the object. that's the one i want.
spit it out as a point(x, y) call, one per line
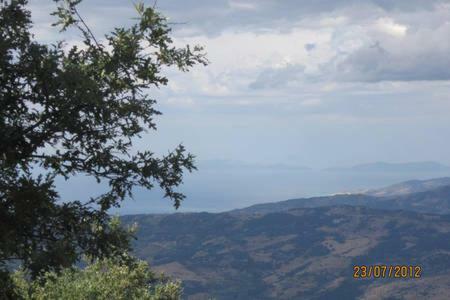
point(279, 58)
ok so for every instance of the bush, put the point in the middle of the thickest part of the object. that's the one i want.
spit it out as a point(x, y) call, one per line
point(103, 279)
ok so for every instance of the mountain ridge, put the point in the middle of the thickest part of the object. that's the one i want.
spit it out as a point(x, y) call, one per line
point(283, 251)
point(306, 253)
point(380, 166)
point(431, 196)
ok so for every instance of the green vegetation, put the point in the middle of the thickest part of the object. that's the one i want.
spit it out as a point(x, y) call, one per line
point(104, 279)
point(76, 111)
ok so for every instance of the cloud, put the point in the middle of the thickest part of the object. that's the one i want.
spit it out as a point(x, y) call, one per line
point(276, 48)
point(311, 102)
point(276, 77)
point(419, 56)
point(310, 47)
point(408, 5)
point(382, 50)
point(241, 5)
point(388, 26)
point(213, 17)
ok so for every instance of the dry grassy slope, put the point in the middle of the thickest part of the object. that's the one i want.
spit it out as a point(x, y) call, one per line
point(307, 253)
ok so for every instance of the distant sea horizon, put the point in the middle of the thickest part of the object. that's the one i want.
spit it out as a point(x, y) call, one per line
point(225, 188)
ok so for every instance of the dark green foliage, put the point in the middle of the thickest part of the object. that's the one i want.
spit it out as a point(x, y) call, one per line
point(74, 111)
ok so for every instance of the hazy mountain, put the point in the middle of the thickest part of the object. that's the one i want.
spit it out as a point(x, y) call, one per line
point(433, 197)
point(304, 253)
point(341, 199)
point(409, 187)
point(426, 166)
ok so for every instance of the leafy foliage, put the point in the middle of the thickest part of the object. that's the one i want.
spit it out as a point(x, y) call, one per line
point(104, 279)
point(68, 111)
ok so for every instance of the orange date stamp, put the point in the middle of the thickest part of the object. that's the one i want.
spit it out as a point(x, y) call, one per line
point(386, 271)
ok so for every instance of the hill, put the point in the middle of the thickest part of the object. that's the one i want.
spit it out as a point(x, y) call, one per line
point(306, 253)
point(425, 166)
point(306, 248)
point(409, 187)
point(430, 196)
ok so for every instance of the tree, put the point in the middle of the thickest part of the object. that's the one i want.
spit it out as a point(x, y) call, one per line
point(69, 111)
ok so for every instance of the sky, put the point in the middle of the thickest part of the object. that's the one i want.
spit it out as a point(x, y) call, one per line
point(320, 83)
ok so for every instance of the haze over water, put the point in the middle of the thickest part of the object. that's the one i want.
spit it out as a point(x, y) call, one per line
point(220, 188)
